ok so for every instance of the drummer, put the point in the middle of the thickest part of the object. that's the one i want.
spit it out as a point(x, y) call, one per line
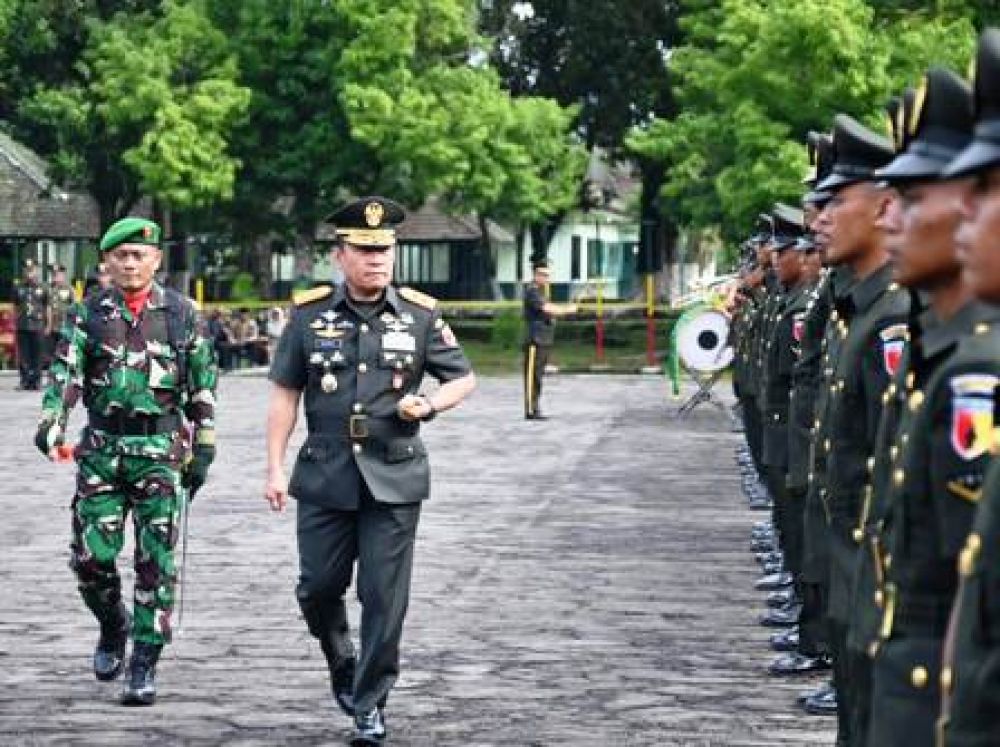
point(779, 356)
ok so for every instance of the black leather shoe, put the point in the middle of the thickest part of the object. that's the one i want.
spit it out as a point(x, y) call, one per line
point(140, 687)
point(786, 640)
point(342, 685)
point(781, 618)
point(774, 581)
point(369, 728)
point(782, 598)
point(536, 416)
point(109, 656)
point(792, 664)
point(822, 691)
point(822, 705)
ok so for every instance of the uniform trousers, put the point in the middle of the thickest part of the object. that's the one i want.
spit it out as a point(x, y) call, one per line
point(380, 537)
point(535, 359)
point(29, 357)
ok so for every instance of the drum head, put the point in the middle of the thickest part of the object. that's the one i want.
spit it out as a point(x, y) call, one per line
point(702, 341)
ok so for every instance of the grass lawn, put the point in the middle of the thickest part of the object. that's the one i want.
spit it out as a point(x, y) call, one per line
point(495, 360)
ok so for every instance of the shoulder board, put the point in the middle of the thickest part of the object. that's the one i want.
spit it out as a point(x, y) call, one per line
point(418, 298)
point(301, 298)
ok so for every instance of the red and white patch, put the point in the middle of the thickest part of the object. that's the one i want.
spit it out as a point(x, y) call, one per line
point(893, 344)
point(799, 328)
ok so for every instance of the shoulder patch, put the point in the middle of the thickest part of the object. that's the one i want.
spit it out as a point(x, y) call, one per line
point(301, 298)
point(416, 297)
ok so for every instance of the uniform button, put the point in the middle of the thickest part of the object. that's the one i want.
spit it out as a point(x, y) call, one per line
point(919, 677)
point(812, 476)
point(887, 562)
point(916, 400)
point(776, 417)
point(364, 327)
point(974, 542)
point(966, 563)
point(891, 390)
point(981, 329)
point(873, 649)
point(879, 598)
point(871, 464)
point(816, 423)
point(358, 407)
point(357, 448)
point(910, 380)
point(894, 452)
point(362, 367)
point(826, 445)
point(905, 439)
point(898, 477)
point(858, 535)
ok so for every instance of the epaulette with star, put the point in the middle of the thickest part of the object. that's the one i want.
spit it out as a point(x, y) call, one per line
point(301, 298)
point(418, 298)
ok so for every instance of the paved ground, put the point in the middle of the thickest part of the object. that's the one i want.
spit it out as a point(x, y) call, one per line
point(584, 581)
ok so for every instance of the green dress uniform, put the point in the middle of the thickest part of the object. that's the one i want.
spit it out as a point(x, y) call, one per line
point(541, 327)
point(938, 462)
point(31, 299)
point(875, 313)
point(362, 473)
point(749, 386)
point(779, 363)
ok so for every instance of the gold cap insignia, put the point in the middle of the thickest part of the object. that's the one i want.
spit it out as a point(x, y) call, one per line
point(374, 213)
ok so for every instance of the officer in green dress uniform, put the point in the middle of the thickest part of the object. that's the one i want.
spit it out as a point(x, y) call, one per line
point(970, 672)
point(355, 355)
point(540, 321)
point(873, 318)
point(923, 509)
point(31, 303)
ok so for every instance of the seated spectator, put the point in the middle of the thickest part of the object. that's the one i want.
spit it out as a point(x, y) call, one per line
point(247, 338)
point(275, 326)
point(222, 335)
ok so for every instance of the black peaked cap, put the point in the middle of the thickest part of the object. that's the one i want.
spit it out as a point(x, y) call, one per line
point(859, 152)
point(984, 150)
point(939, 127)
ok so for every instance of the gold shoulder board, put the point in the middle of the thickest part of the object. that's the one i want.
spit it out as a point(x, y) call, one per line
point(301, 298)
point(418, 298)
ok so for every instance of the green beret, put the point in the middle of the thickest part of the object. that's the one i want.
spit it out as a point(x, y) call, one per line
point(131, 231)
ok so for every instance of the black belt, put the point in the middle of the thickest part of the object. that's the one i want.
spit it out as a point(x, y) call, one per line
point(121, 424)
point(362, 427)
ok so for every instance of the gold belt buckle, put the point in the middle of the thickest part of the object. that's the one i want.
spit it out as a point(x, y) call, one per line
point(358, 426)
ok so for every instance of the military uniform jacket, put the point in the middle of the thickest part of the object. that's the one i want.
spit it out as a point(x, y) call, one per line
point(940, 457)
point(808, 327)
point(971, 674)
point(159, 363)
point(541, 324)
point(30, 301)
point(877, 313)
point(780, 354)
point(764, 330)
point(353, 364)
point(747, 332)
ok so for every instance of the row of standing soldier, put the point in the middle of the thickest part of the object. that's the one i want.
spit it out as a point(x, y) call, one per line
point(869, 398)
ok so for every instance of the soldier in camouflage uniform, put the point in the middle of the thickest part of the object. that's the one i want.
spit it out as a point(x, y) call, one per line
point(137, 354)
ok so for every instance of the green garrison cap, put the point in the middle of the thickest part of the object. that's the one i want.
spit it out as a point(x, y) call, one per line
point(131, 231)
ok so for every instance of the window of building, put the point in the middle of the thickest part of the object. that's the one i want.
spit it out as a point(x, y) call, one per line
point(574, 259)
point(595, 258)
point(423, 263)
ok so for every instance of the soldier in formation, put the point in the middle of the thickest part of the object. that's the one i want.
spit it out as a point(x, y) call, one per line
point(882, 547)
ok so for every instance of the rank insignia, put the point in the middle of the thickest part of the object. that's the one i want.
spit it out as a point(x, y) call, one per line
point(972, 414)
point(893, 344)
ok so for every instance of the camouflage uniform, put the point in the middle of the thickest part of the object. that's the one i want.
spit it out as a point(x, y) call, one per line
point(137, 377)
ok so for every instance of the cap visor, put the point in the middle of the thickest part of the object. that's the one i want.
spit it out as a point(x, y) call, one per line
point(980, 155)
point(837, 181)
point(911, 167)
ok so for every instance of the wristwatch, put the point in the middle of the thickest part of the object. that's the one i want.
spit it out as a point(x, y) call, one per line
point(433, 413)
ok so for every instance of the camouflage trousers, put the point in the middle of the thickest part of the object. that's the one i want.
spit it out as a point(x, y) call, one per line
point(119, 475)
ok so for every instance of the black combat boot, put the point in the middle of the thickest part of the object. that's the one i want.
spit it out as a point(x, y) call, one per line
point(109, 656)
point(140, 688)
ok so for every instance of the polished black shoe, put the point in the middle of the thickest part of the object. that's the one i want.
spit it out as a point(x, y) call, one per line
point(109, 656)
point(822, 705)
point(822, 691)
point(781, 618)
point(781, 598)
point(785, 640)
point(140, 687)
point(774, 581)
point(342, 685)
point(536, 416)
point(792, 664)
point(369, 728)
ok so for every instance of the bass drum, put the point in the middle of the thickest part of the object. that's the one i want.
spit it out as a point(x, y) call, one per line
point(703, 341)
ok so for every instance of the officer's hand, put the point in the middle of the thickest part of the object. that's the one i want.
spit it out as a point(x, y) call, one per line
point(411, 407)
point(196, 471)
point(49, 438)
point(276, 491)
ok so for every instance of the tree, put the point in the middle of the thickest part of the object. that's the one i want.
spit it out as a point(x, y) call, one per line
point(148, 110)
point(754, 77)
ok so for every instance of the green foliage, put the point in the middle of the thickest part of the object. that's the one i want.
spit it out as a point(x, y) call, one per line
point(506, 330)
point(244, 288)
point(755, 76)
